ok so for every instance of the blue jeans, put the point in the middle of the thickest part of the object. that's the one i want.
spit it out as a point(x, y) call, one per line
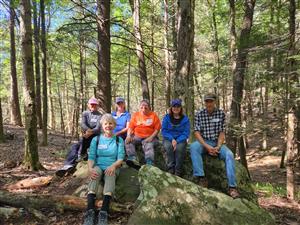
point(197, 150)
point(175, 158)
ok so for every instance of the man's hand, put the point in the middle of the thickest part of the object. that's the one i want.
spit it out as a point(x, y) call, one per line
point(88, 133)
point(211, 150)
point(110, 171)
point(174, 144)
point(93, 174)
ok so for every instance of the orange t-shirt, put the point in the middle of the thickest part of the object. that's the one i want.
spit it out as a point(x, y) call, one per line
point(144, 125)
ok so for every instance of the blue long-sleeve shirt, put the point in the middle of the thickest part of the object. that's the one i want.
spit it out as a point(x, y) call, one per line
point(107, 152)
point(179, 132)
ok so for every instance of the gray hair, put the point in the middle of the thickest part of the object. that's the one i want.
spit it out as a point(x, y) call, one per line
point(108, 118)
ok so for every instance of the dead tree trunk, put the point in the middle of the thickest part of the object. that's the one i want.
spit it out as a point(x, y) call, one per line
point(103, 45)
point(44, 73)
point(14, 102)
point(135, 7)
point(31, 156)
point(36, 26)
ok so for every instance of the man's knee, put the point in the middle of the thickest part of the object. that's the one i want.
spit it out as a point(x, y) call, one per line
point(195, 147)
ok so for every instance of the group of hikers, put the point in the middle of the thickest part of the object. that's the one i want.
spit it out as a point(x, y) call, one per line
point(113, 137)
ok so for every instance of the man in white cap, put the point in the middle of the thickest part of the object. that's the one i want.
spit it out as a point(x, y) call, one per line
point(90, 125)
point(210, 138)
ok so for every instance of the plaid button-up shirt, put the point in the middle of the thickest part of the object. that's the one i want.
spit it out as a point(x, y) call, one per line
point(210, 126)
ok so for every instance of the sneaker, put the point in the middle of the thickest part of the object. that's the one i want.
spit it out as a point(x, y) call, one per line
point(89, 217)
point(203, 182)
point(64, 170)
point(133, 163)
point(233, 192)
point(102, 218)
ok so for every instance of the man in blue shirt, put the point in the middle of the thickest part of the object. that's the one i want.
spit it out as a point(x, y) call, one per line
point(210, 136)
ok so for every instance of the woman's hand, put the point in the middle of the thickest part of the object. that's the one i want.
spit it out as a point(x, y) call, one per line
point(174, 144)
point(93, 174)
point(128, 139)
point(110, 171)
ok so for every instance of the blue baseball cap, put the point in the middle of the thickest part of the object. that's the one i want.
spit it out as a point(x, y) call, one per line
point(176, 102)
point(119, 99)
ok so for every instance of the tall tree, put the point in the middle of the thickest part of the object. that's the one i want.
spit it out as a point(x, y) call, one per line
point(167, 53)
point(135, 7)
point(103, 47)
point(238, 81)
point(183, 80)
point(292, 78)
point(36, 33)
point(15, 106)
point(31, 157)
point(44, 72)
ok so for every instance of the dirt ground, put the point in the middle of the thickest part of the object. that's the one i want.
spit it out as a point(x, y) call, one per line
point(263, 166)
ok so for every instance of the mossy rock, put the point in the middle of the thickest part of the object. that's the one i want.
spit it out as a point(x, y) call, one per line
point(167, 199)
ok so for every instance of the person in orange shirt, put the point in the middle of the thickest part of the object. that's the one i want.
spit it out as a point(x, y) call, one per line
point(143, 129)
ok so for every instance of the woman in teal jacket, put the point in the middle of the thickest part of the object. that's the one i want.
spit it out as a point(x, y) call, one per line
point(175, 132)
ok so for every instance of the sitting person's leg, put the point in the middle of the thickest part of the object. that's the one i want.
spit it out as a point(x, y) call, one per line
point(148, 148)
point(130, 148)
point(86, 142)
point(91, 198)
point(180, 156)
point(227, 156)
point(197, 150)
point(170, 156)
point(109, 188)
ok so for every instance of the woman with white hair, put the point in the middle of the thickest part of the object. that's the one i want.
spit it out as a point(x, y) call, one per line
point(105, 157)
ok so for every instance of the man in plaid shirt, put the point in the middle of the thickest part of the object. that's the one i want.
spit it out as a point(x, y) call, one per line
point(210, 135)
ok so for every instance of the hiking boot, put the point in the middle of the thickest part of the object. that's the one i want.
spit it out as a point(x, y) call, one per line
point(233, 192)
point(203, 182)
point(64, 170)
point(133, 163)
point(89, 217)
point(102, 218)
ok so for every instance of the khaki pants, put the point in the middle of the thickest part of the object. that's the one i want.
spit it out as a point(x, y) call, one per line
point(109, 182)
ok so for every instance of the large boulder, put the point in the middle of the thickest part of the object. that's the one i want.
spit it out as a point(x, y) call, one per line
point(214, 169)
point(170, 200)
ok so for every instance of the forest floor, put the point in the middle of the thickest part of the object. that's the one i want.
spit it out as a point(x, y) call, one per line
point(268, 178)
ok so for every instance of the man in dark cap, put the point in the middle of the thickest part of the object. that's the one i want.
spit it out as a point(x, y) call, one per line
point(210, 137)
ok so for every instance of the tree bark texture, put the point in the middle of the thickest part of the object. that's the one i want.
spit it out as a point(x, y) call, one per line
point(31, 157)
point(103, 45)
point(135, 7)
point(44, 73)
point(15, 105)
point(36, 34)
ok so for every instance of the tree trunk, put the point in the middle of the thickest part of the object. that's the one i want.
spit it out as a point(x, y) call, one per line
point(1, 124)
point(31, 157)
point(82, 70)
point(128, 82)
point(238, 76)
point(167, 54)
point(291, 153)
point(62, 123)
point(103, 45)
point(15, 106)
point(36, 34)
point(44, 73)
point(135, 7)
point(51, 101)
point(183, 80)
